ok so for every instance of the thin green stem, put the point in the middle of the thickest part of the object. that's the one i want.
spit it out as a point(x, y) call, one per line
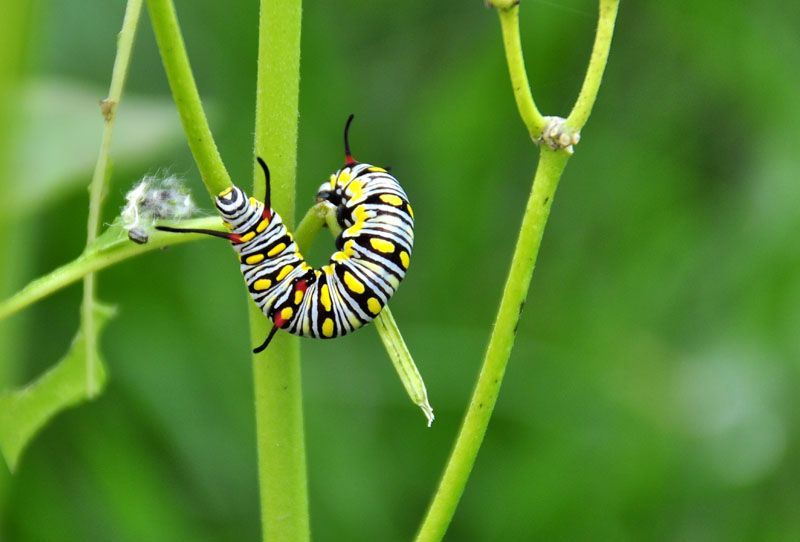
point(276, 370)
point(548, 173)
point(100, 179)
point(597, 65)
point(109, 249)
point(310, 226)
point(473, 428)
point(187, 98)
point(509, 22)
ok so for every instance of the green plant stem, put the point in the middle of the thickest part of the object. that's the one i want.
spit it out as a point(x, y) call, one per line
point(548, 173)
point(276, 370)
point(100, 180)
point(509, 23)
point(597, 65)
point(187, 98)
point(110, 248)
point(310, 226)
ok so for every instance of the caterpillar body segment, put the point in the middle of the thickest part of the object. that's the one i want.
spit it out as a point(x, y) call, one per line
point(373, 252)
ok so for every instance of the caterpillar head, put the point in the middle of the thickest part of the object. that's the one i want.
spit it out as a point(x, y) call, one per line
point(232, 204)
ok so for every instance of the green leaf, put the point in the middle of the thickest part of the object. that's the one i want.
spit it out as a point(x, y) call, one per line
point(25, 411)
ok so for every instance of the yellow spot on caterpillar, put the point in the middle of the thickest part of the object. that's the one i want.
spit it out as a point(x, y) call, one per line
point(355, 187)
point(253, 201)
point(353, 230)
point(307, 326)
point(391, 199)
point(339, 256)
point(374, 305)
point(404, 258)
point(262, 226)
point(327, 269)
point(353, 283)
point(376, 168)
point(262, 284)
point(305, 267)
point(325, 297)
point(276, 249)
point(248, 236)
point(344, 176)
point(409, 210)
point(227, 225)
point(226, 194)
point(361, 214)
point(287, 313)
point(327, 327)
point(285, 270)
point(381, 245)
point(254, 259)
point(298, 296)
point(348, 248)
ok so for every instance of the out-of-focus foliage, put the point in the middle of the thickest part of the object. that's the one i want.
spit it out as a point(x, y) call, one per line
point(651, 392)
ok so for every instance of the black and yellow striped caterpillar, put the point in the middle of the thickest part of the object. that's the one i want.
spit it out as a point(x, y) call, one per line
point(373, 252)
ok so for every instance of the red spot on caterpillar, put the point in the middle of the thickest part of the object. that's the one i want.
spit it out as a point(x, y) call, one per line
point(267, 214)
point(301, 286)
point(235, 238)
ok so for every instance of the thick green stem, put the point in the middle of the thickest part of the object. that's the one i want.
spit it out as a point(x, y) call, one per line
point(187, 98)
point(100, 178)
point(551, 165)
point(276, 371)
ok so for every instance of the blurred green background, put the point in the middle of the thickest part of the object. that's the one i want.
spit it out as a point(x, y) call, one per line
point(652, 392)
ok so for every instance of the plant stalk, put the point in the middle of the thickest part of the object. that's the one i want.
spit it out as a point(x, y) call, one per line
point(276, 370)
point(100, 179)
point(548, 173)
point(473, 428)
point(187, 98)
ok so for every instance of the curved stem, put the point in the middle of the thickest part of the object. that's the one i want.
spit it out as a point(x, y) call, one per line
point(276, 370)
point(187, 99)
point(100, 180)
point(509, 22)
point(597, 65)
point(473, 428)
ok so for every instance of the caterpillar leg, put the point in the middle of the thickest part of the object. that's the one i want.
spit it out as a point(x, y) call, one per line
point(264, 345)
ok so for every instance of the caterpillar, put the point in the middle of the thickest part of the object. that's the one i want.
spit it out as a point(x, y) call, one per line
point(373, 252)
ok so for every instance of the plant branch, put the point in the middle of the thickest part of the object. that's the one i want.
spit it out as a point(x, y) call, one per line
point(548, 173)
point(597, 65)
point(187, 98)
point(509, 22)
point(108, 107)
point(276, 370)
point(112, 247)
point(470, 437)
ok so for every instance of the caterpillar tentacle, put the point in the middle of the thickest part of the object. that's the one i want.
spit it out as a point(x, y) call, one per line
point(373, 253)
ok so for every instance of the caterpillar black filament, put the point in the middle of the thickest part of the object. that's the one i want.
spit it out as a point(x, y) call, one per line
point(373, 252)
